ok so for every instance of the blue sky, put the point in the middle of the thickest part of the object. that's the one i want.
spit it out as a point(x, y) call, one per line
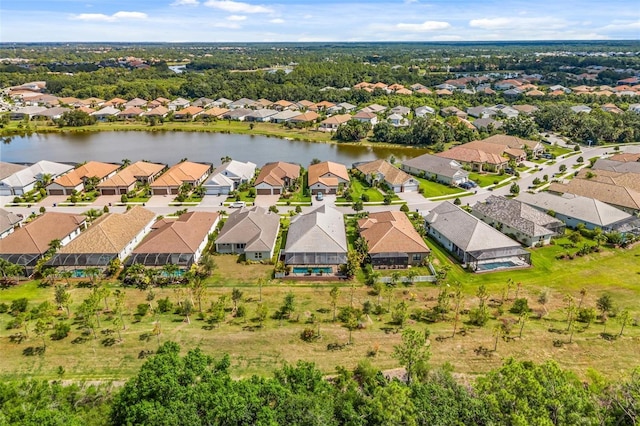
point(320, 20)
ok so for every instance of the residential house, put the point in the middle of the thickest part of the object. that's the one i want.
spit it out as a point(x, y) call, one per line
point(478, 246)
point(178, 104)
point(626, 157)
point(158, 112)
point(25, 179)
point(308, 117)
point(136, 103)
point(480, 156)
point(621, 197)
point(453, 111)
point(112, 236)
point(580, 108)
point(125, 180)
point(7, 169)
point(188, 113)
point(480, 112)
point(304, 104)
point(483, 124)
point(8, 221)
point(284, 116)
point(130, 113)
point(374, 108)
point(252, 231)
point(76, 178)
point(214, 112)
point(261, 115)
point(529, 226)
point(332, 123)
point(276, 178)
point(327, 177)
point(26, 112)
point(366, 117)
point(514, 143)
point(186, 172)
point(526, 109)
point(266, 103)
point(397, 120)
point(443, 170)
point(222, 102)
point(282, 105)
point(381, 171)
point(316, 240)
point(505, 111)
point(179, 242)
point(30, 242)
point(105, 113)
point(51, 113)
point(575, 210)
point(616, 166)
point(321, 106)
point(392, 240)
point(423, 111)
point(612, 108)
point(203, 103)
point(341, 108)
point(229, 176)
point(242, 103)
point(238, 114)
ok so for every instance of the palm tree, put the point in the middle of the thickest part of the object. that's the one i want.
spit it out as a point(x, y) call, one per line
point(44, 180)
point(92, 273)
point(54, 245)
point(170, 269)
point(125, 162)
point(225, 159)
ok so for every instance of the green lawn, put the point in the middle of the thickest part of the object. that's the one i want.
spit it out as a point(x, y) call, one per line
point(486, 179)
point(358, 187)
point(244, 196)
point(435, 189)
point(301, 195)
point(557, 150)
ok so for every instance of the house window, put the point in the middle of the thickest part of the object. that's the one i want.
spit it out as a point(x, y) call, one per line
point(417, 257)
point(240, 246)
point(258, 255)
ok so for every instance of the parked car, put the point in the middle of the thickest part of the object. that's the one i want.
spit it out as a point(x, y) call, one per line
point(238, 204)
point(509, 171)
point(319, 196)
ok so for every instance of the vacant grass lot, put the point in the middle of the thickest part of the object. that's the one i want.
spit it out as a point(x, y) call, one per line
point(486, 179)
point(258, 350)
point(436, 189)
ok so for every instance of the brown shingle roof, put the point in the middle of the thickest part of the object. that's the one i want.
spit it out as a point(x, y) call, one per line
point(625, 157)
point(90, 169)
point(129, 175)
point(183, 235)
point(392, 174)
point(391, 232)
point(111, 233)
point(35, 236)
point(186, 171)
point(605, 192)
point(318, 172)
point(306, 117)
point(275, 173)
point(337, 119)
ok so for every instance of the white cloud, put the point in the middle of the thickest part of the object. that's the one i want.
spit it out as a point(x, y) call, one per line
point(236, 18)
point(499, 23)
point(410, 1)
point(426, 26)
point(118, 16)
point(277, 21)
point(229, 25)
point(237, 6)
point(185, 3)
point(622, 25)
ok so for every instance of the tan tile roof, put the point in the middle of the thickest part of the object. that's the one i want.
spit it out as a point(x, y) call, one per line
point(183, 235)
point(476, 152)
point(134, 110)
point(628, 180)
point(129, 174)
point(306, 117)
point(625, 157)
point(318, 172)
point(115, 102)
point(283, 103)
point(159, 110)
point(186, 171)
point(275, 173)
point(111, 233)
point(86, 109)
point(192, 110)
point(324, 104)
point(35, 236)
point(215, 111)
point(90, 169)
point(605, 192)
point(337, 119)
point(392, 174)
point(391, 232)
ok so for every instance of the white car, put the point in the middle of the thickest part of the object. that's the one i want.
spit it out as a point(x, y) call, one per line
point(238, 204)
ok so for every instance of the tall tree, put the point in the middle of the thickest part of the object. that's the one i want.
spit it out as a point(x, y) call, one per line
point(413, 353)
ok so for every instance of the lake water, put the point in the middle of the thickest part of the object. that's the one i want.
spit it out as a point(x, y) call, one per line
point(170, 147)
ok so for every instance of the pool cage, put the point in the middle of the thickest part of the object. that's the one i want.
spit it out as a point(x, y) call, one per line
point(81, 260)
point(183, 260)
point(315, 258)
point(27, 261)
point(517, 256)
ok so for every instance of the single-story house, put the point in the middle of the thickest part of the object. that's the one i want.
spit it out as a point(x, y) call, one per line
point(443, 170)
point(306, 118)
point(26, 112)
point(178, 241)
point(7, 169)
point(342, 107)
point(178, 104)
point(51, 113)
point(8, 221)
point(261, 115)
point(76, 178)
point(112, 236)
point(316, 240)
point(222, 102)
point(29, 242)
point(186, 172)
point(580, 108)
point(326, 177)
point(229, 176)
point(125, 180)
point(374, 108)
point(160, 111)
point(480, 156)
point(332, 123)
point(392, 240)
point(188, 113)
point(522, 222)
point(574, 210)
point(622, 197)
point(477, 245)
point(138, 103)
point(276, 178)
point(382, 171)
point(252, 231)
point(131, 112)
point(366, 117)
point(423, 111)
point(25, 179)
point(513, 142)
point(214, 112)
point(452, 111)
point(480, 112)
point(401, 110)
point(284, 116)
point(242, 103)
point(397, 120)
point(236, 114)
point(617, 166)
point(203, 102)
point(104, 113)
point(486, 124)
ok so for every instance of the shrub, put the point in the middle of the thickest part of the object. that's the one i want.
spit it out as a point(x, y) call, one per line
point(4, 308)
point(364, 197)
point(520, 306)
point(309, 335)
point(404, 208)
point(19, 305)
point(164, 305)
point(60, 331)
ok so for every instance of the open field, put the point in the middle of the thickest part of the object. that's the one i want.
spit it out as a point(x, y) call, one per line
point(259, 350)
point(436, 189)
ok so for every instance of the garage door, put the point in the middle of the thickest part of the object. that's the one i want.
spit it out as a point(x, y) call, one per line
point(159, 191)
point(410, 188)
point(5, 191)
point(276, 191)
point(56, 192)
point(263, 191)
point(108, 191)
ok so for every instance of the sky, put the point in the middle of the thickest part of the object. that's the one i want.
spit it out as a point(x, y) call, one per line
point(319, 20)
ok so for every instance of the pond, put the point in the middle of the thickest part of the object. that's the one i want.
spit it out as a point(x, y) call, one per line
point(171, 147)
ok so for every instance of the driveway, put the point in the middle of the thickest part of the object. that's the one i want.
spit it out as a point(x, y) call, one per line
point(266, 200)
point(412, 197)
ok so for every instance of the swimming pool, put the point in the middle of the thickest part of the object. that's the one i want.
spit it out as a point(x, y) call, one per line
point(313, 270)
point(496, 265)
